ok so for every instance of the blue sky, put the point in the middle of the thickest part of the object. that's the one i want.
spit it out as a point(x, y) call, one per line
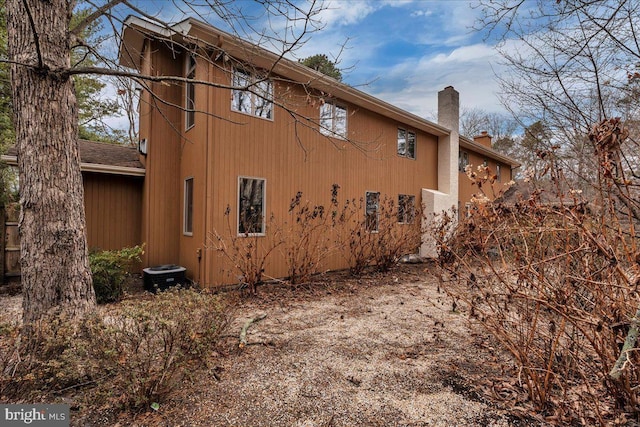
point(401, 51)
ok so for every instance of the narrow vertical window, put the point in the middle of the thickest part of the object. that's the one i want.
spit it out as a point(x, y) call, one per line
point(463, 160)
point(190, 93)
point(251, 206)
point(406, 208)
point(498, 173)
point(372, 210)
point(406, 143)
point(188, 207)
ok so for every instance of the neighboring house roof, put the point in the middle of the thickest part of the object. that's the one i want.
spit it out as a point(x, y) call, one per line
point(471, 145)
point(99, 157)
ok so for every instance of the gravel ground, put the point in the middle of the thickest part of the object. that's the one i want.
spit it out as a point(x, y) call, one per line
point(386, 350)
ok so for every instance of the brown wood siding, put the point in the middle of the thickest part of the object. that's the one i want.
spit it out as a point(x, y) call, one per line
point(161, 125)
point(291, 157)
point(295, 158)
point(465, 188)
point(113, 209)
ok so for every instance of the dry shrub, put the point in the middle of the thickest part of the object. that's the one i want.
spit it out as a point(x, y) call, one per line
point(247, 252)
point(137, 355)
point(554, 280)
point(307, 240)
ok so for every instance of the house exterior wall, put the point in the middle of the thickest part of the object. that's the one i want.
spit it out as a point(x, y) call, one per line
point(160, 126)
point(113, 210)
point(226, 145)
point(466, 189)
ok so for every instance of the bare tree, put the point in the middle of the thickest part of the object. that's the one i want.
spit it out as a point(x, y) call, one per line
point(55, 271)
point(573, 63)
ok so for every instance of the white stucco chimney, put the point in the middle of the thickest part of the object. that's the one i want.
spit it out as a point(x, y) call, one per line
point(448, 147)
point(446, 197)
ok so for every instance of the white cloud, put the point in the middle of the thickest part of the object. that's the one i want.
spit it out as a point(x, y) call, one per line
point(338, 13)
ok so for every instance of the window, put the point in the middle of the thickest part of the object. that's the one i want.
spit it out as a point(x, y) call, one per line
point(463, 160)
point(372, 209)
point(251, 206)
point(257, 99)
point(485, 162)
point(188, 207)
point(190, 93)
point(333, 120)
point(406, 143)
point(498, 173)
point(406, 208)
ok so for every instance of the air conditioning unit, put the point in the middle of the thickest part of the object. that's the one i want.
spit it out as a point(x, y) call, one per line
point(163, 277)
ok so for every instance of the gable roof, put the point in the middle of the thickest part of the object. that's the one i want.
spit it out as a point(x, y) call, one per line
point(193, 32)
point(98, 157)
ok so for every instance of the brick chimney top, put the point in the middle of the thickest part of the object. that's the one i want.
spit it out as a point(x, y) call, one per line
point(483, 139)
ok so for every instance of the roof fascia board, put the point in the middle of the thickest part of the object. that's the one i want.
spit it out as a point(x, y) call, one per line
point(481, 149)
point(90, 167)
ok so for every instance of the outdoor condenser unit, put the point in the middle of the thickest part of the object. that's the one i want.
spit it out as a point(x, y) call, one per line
point(163, 277)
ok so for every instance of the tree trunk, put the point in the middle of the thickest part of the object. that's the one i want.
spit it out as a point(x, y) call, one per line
point(56, 277)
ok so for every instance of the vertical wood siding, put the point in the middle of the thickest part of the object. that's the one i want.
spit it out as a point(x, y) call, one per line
point(465, 188)
point(113, 208)
point(290, 156)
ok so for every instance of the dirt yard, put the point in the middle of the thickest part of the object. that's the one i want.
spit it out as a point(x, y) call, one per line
point(386, 350)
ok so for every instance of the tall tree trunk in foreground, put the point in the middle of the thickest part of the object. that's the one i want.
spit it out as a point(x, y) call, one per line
point(55, 272)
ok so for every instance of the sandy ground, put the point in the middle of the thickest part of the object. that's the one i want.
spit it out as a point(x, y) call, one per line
point(383, 351)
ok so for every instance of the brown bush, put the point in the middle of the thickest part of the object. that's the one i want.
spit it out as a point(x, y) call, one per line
point(135, 356)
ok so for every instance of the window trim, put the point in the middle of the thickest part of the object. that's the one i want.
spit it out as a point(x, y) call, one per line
point(410, 217)
point(252, 79)
point(187, 204)
point(406, 139)
point(264, 206)
point(331, 133)
point(190, 73)
point(366, 213)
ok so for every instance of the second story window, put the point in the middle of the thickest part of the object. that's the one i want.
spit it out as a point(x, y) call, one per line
point(252, 95)
point(190, 93)
point(333, 120)
point(406, 143)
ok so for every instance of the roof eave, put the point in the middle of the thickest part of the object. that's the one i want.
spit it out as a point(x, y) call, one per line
point(197, 32)
point(481, 149)
point(90, 167)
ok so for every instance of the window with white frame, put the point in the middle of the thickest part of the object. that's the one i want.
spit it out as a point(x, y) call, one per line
point(251, 94)
point(406, 143)
point(333, 120)
point(190, 93)
point(372, 210)
point(406, 208)
point(463, 160)
point(251, 205)
point(498, 173)
point(188, 207)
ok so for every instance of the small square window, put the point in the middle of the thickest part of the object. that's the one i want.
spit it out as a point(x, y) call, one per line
point(333, 120)
point(257, 99)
